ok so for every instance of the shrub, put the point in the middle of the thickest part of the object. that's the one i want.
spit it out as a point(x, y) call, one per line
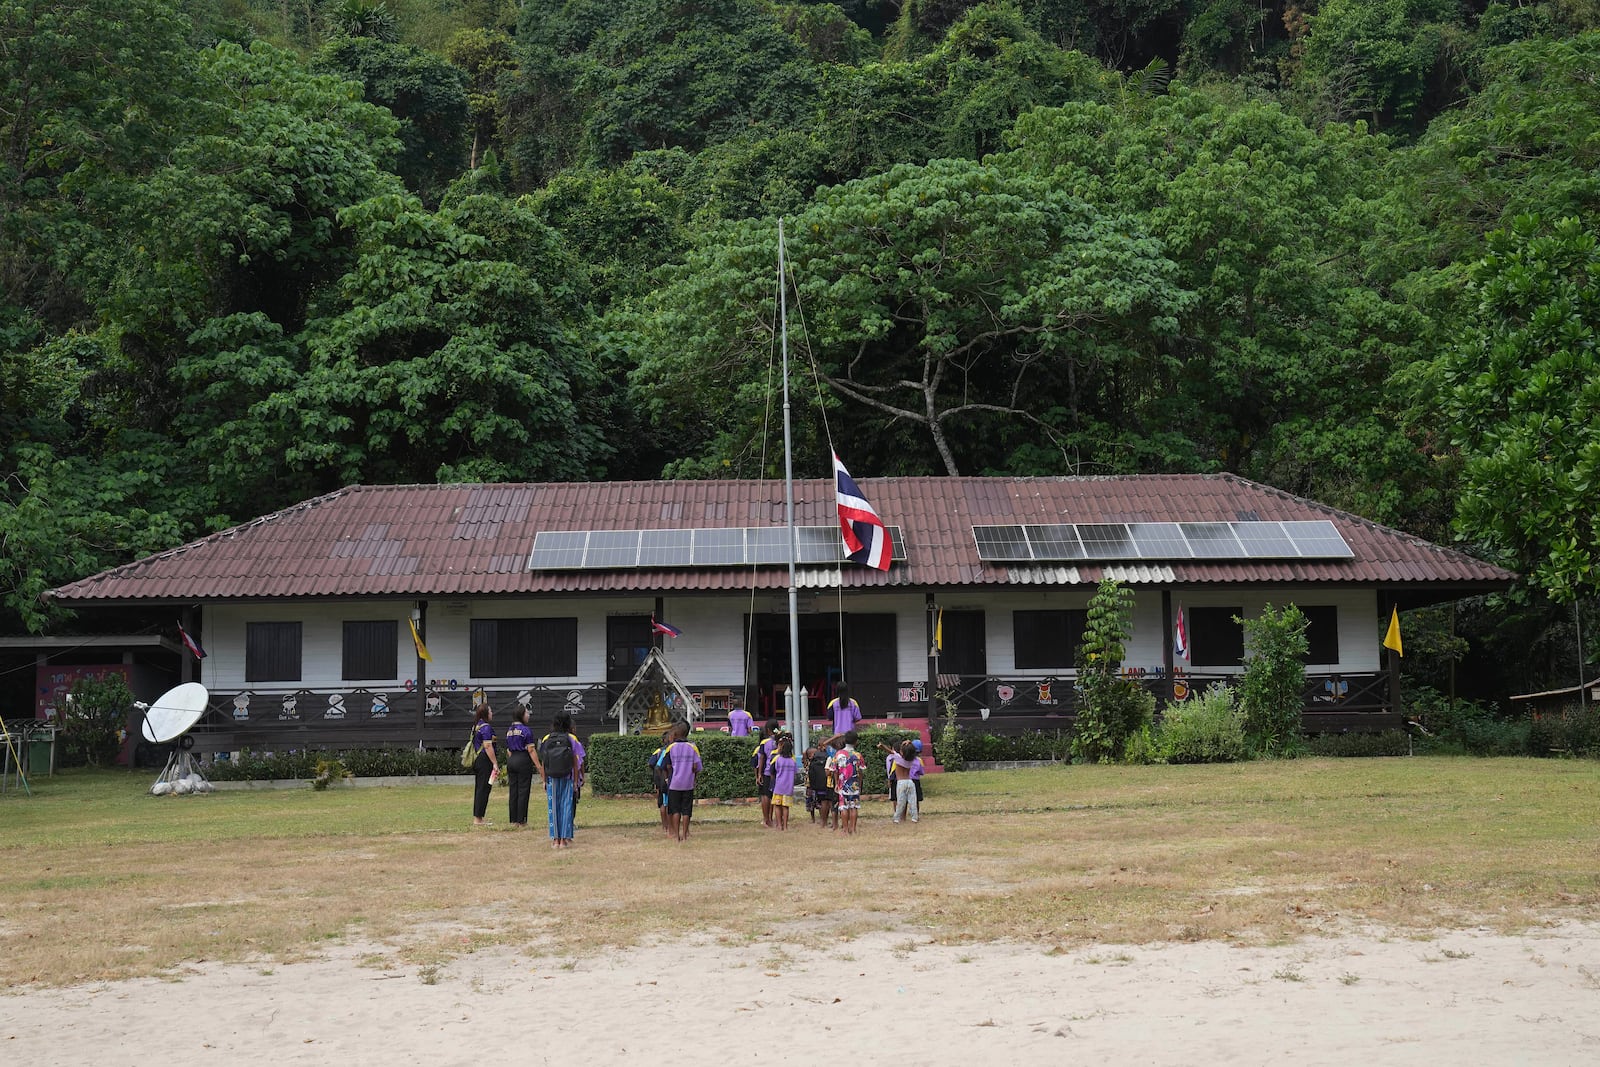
point(1110, 708)
point(1272, 688)
point(357, 763)
point(1574, 732)
point(1207, 729)
point(1467, 727)
point(950, 748)
point(1038, 745)
point(1386, 743)
point(620, 763)
point(93, 719)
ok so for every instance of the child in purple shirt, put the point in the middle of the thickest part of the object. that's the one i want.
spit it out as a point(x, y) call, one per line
point(846, 712)
point(685, 761)
point(784, 769)
point(739, 723)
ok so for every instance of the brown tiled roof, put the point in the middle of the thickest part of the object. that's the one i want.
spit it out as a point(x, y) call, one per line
point(472, 540)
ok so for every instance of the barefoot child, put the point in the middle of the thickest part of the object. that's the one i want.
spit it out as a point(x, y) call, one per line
point(660, 773)
point(685, 760)
point(785, 769)
point(905, 790)
point(848, 769)
point(760, 760)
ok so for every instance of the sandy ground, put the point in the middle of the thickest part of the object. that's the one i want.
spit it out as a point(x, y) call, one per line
point(1468, 997)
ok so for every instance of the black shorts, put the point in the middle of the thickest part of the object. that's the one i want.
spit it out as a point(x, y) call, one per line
point(680, 802)
point(766, 787)
point(826, 796)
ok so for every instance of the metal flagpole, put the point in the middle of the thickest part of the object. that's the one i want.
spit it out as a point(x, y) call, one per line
point(796, 713)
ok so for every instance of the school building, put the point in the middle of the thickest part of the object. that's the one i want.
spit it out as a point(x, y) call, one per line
point(548, 594)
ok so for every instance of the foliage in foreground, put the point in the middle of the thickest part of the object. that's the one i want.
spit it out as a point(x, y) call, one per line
point(1111, 708)
point(1272, 688)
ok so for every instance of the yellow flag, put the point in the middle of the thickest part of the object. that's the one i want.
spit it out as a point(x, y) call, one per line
point(1392, 638)
point(938, 632)
point(416, 639)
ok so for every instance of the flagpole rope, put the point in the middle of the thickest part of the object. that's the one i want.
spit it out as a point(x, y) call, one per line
point(827, 433)
point(761, 481)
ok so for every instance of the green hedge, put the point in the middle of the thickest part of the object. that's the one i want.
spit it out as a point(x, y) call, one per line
point(1386, 743)
point(621, 763)
point(363, 763)
point(1039, 745)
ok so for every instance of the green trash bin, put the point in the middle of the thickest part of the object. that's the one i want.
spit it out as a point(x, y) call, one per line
point(42, 753)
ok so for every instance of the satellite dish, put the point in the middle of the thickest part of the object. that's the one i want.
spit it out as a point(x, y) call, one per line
point(169, 720)
point(175, 712)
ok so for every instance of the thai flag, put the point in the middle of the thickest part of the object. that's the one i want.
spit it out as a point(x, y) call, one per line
point(865, 537)
point(1180, 636)
point(190, 643)
point(664, 628)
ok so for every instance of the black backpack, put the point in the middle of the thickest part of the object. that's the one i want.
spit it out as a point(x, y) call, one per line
point(555, 752)
point(661, 770)
point(819, 771)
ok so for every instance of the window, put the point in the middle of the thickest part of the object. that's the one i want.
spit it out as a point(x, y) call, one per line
point(1047, 639)
point(962, 651)
point(1215, 640)
point(524, 648)
point(1322, 635)
point(272, 652)
point(370, 649)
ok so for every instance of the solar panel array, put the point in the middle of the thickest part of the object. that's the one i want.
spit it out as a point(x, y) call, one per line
point(736, 546)
point(1317, 539)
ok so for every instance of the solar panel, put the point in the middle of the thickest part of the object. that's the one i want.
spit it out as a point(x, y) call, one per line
point(1159, 540)
point(1264, 540)
point(558, 550)
point(1106, 540)
point(999, 543)
point(719, 548)
point(612, 548)
point(666, 548)
point(766, 544)
point(1055, 541)
point(1318, 538)
point(1211, 540)
point(820, 544)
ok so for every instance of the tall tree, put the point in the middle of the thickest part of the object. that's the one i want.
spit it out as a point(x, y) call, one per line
point(1523, 389)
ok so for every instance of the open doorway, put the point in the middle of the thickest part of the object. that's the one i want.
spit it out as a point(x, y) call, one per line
point(867, 659)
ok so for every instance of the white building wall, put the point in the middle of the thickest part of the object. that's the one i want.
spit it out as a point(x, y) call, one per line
point(711, 650)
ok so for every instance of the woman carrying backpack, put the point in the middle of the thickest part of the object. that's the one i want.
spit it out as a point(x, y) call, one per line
point(559, 758)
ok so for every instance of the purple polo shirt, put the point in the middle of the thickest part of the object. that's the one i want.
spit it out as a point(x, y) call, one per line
point(845, 716)
point(916, 768)
point(686, 765)
point(783, 771)
point(483, 733)
point(518, 734)
point(739, 723)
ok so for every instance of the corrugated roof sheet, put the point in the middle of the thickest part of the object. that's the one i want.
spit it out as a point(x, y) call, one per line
point(460, 540)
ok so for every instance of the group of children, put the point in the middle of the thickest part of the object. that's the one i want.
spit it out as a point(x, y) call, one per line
point(833, 773)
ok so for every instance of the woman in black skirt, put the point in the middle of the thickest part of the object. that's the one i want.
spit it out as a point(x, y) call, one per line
point(485, 766)
point(519, 767)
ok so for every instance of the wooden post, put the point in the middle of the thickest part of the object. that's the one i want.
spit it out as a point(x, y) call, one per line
point(933, 656)
point(1394, 668)
point(420, 615)
point(1167, 661)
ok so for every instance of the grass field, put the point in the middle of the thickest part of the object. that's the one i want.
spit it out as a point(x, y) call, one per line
point(98, 880)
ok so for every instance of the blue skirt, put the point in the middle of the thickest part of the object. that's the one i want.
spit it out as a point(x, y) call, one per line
point(559, 805)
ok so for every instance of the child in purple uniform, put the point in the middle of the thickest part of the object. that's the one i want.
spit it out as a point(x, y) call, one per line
point(784, 770)
point(760, 760)
point(845, 711)
point(739, 722)
point(686, 766)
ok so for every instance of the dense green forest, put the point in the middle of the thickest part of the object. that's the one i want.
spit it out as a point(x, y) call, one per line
point(254, 250)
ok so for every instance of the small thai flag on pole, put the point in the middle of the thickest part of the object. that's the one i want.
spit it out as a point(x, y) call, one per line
point(865, 537)
point(666, 629)
point(1180, 636)
point(190, 643)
